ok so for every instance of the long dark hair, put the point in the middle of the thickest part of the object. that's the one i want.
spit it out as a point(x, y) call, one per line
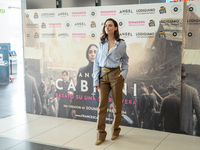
point(116, 33)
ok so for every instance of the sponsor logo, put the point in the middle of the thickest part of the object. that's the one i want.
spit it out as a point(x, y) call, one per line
point(63, 35)
point(93, 13)
point(145, 11)
point(2, 10)
point(108, 13)
point(170, 21)
point(27, 15)
point(162, 10)
point(79, 14)
point(145, 34)
point(152, 23)
point(192, 8)
point(93, 35)
point(193, 21)
point(161, 34)
point(36, 35)
point(36, 16)
point(175, 9)
point(190, 34)
point(67, 24)
point(121, 23)
point(63, 14)
point(43, 25)
point(126, 11)
point(126, 34)
point(28, 35)
point(102, 24)
point(136, 23)
point(80, 24)
point(48, 15)
point(56, 25)
point(48, 35)
point(93, 24)
point(174, 34)
point(32, 25)
point(79, 35)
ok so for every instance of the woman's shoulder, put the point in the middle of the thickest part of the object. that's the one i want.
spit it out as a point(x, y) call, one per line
point(101, 43)
point(122, 42)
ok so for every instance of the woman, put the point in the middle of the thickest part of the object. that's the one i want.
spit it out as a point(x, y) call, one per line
point(85, 74)
point(108, 76)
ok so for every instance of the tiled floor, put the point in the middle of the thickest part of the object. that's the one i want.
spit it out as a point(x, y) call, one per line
point(34, 132)
point(12, 98)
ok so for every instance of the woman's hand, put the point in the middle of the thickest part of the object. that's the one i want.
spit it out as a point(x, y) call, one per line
point(120, 76)
point(97, 87)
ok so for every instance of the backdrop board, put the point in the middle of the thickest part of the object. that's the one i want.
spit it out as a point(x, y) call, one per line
point(68, 38)
point(191, 62)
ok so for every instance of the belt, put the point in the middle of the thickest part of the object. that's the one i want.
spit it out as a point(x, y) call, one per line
point(105, 71)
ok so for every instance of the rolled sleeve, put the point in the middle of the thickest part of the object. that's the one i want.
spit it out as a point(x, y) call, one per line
point(124, 65)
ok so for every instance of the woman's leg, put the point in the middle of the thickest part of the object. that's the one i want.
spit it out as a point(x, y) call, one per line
point(116, 86)
point(104, 90)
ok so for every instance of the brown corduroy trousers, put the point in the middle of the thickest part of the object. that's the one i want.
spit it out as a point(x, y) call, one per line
point(109, 82)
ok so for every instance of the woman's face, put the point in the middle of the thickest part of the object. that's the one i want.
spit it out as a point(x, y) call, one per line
point(92, 53)
point(110, 27)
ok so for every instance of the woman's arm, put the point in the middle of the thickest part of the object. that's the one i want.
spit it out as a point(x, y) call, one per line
point(96, 68)
point(124, 61)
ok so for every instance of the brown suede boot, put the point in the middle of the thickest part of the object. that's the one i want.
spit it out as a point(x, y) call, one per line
point(101, 136)
point(115, 133)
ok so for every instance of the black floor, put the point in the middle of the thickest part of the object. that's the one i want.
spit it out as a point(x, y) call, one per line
point(13, 144)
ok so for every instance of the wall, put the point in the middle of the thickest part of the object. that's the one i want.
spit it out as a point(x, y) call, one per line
point(4, 25)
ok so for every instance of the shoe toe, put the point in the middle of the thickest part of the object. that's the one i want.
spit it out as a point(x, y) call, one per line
point(98, 142)
point(114, 137)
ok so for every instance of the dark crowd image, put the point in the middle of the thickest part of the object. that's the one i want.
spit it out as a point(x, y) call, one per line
point(174, 113)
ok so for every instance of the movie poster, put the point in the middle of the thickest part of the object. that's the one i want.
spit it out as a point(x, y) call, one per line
point(191, 73)
point(60, 46)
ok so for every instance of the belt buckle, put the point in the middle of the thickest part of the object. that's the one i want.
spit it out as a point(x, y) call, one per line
point(105, 70)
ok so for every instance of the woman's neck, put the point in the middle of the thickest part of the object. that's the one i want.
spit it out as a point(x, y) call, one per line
point(110, 37)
